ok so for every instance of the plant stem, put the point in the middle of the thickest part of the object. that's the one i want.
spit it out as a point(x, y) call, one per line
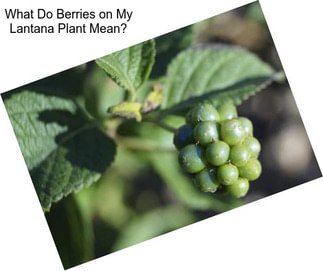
point(161, 124)
point(165, 126)
point(139, 144)
point(131, 97)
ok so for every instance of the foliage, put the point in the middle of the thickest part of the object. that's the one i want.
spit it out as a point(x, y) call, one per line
point(130, 67)
point(63, 151)
point(67, 147)
point(106, 130)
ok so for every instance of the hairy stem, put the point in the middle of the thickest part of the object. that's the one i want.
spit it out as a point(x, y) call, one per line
point(139, 144)
point(165, 126)
point(131, 96)
point(161, 124)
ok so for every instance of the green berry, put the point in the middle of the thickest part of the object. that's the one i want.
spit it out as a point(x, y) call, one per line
point(206, 132)
point(183, 136)
point(251, 170)
point(228, 174)
point(206, 180)
point(247, 125)
point(217, 153)
point(239, 155)
point(191, 158)
point(227, 111)
point(252, 145)
point(204, 112)
point(232, 131)
point(239, 188)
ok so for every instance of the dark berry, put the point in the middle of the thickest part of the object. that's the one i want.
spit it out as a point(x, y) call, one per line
point(183, 136)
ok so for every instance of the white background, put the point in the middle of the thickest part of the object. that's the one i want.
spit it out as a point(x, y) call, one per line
point(281, 232)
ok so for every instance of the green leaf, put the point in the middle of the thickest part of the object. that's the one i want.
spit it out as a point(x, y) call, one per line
point(66, 84)
point(71, 233)
point(169, 45)
point(130, 67)
point(36, 138)
point(153, 224)
point(219, 73)
point(62, 150)
point(166, 164)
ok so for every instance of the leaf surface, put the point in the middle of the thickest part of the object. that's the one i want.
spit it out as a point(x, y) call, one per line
point(130, 67)
point(218, 74)
point(62, 150)
point(153, 224)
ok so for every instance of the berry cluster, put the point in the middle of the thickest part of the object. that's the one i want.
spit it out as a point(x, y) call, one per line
point(218, 147)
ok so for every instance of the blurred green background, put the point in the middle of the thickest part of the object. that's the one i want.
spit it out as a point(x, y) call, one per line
point(144, 193)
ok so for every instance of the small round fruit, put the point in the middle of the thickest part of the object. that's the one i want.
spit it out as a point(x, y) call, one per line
point(232, 131)
point(227, 111)
point(191, 158)
point(206, 132)
point(228, 174)
point(206, 180)
point(217, 153)
point(251, 170)
point(247, 125)
point(239, 188)
point(239, 155)
point(183, 136)
point(252, 145)
point(204, 112)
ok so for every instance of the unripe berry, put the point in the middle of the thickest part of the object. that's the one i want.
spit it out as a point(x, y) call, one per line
point(218, 147)
point(247, 125)
point(227, 111)
point(217, 153)
point(253, 146)
point(251, 170)
point(206, 180)
point(206, 132)
point(239, 155)
point(227, 174)
point(204, 112)
point(232, 131)
point(191, 158)
point(239, 188)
